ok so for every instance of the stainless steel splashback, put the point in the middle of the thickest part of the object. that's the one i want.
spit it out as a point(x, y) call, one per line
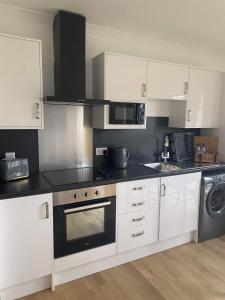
point(67, 140)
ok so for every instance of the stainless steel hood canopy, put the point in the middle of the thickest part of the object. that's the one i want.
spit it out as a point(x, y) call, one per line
point(69, 37)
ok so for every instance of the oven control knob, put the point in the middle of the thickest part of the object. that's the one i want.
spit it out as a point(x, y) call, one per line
point(87, 194)
point(76, 196)
point(97, 193)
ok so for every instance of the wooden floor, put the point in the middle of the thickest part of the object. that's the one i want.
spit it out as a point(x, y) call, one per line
point(189, 272)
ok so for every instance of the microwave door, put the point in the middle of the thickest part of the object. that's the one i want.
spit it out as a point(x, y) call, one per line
point(122, 113)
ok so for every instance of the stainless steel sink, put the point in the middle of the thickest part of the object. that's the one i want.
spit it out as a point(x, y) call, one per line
point(161, 166)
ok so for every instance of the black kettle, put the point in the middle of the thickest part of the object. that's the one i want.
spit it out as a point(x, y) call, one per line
point(117, 157)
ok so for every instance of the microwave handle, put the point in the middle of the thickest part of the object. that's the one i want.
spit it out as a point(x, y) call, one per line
point(77, 209)
point(140, 113)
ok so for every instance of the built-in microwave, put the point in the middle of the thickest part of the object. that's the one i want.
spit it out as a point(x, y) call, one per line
point(126, 113)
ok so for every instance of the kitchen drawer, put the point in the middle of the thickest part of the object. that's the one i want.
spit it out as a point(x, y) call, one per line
point(137, 237)
point(137, 195)
point(138, 218)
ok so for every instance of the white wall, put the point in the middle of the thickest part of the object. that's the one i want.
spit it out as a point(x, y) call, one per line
point(99, 39)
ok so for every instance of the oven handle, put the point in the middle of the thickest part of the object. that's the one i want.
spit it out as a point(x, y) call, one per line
point(76, 209)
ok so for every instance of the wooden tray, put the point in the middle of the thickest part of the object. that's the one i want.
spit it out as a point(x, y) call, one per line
point(212, 144)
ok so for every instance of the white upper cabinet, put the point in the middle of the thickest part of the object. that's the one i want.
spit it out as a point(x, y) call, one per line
point(192, 95)
point(26, 233)
point(203, 104)
point(179, 205)
point(167, 81)
point(20, 83)
point(119, 77)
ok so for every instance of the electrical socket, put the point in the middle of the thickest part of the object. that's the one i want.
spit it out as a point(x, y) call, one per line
point(100, 151)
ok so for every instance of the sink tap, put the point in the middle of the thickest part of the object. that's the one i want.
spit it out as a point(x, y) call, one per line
point(165, 156)
point(165, 153)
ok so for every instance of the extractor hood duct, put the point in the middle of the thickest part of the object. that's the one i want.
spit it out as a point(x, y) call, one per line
point(69, 36)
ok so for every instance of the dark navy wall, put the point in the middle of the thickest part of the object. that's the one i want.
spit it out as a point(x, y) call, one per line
point(142, 144)
point(24, 143)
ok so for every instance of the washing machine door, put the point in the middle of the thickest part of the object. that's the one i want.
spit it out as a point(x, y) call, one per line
point(215, 202)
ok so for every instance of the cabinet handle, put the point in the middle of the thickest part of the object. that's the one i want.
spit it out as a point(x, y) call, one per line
point(189, 115)
point(186, 88)
point(37, 110)
point(46, 205)
point(163, 190)
point(134, 235)
point(138, 219)
point(138, 203)
point(143, 90)
point(138, 188)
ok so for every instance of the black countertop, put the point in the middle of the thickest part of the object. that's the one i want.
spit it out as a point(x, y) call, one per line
point(38, 184)
point(34, 185)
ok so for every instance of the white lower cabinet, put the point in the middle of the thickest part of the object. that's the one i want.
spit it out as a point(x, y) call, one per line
point(136, 237)
point(146, 214)
point(179, 205)
point(137, 208)
point(26, 239)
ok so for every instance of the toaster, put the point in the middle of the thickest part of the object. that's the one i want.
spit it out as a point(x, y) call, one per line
point(13, 168)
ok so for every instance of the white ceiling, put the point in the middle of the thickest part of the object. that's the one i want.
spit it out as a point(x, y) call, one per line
point(198, 23)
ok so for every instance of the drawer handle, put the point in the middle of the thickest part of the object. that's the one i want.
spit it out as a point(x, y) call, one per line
point(138, 188)
point(138, 203)
point(163, 190)
point(134, 235)
point(138, 219)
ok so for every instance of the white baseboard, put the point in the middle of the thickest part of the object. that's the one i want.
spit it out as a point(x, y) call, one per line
point(25, 289)
point(109, 262)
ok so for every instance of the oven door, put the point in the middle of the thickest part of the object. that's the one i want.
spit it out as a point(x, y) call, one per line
point(84, 225)
point(122, 113)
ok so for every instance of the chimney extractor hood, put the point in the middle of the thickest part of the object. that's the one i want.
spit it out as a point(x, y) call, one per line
point(69, 36)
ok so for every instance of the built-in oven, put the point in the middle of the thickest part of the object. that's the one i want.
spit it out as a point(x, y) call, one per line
point(126, 113)
point(84, 219)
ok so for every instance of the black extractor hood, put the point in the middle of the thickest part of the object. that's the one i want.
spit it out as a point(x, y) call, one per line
point(69, 37)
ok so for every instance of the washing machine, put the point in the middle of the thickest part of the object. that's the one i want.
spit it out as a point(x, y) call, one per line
point(212, 205)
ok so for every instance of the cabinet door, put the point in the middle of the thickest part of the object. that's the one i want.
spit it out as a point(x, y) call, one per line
point(125, 78)
point(179, 205)
point(26, 239)
point(20, 83)
point(203, 104)
point(167, 81)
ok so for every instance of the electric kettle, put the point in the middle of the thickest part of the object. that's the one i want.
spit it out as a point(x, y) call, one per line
point(117, 157)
